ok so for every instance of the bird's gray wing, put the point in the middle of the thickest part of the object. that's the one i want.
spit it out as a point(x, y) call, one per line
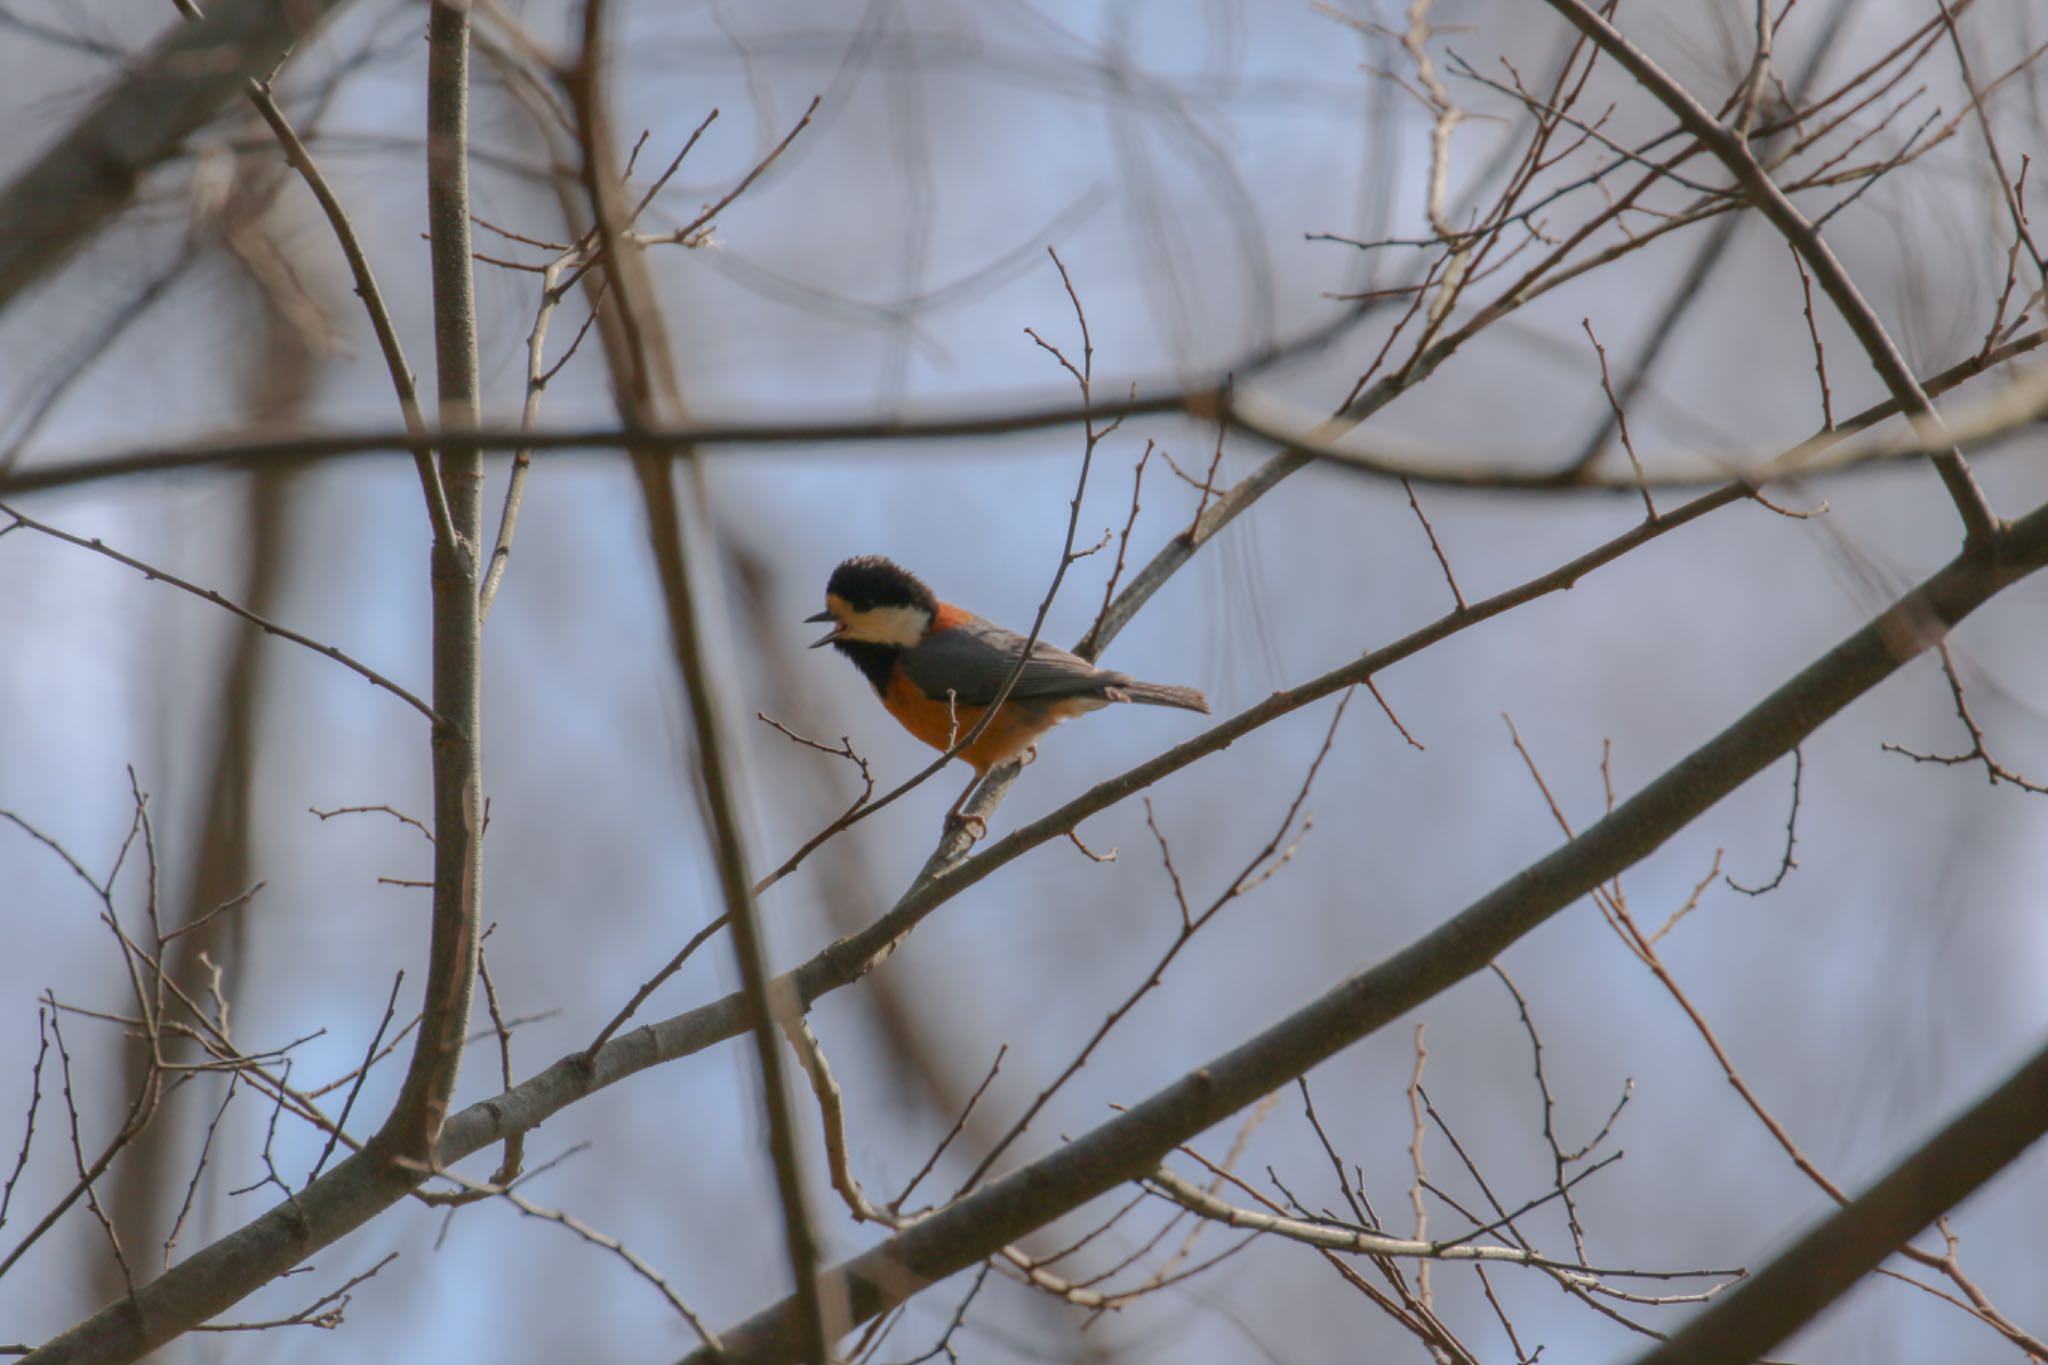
point(972, 660)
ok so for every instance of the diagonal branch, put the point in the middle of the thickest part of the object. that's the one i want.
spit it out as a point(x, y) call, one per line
point(93, 172)
point(358, 1188)
point(1855, 1239)
point(1733, 151)
point(214, 596)
point(301, 160)
point(1133, 1145)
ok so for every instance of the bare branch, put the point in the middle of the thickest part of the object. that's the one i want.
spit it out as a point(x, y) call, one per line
point(155, 574)
point(1980, 523)
point(1193, 1197)
point(411, 1132)
point(1994, 771)
point(1821, 1266)
point(1788, 862)
point(1097, 1161)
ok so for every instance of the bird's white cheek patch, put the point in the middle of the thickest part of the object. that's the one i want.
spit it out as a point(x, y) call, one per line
point(888, 625)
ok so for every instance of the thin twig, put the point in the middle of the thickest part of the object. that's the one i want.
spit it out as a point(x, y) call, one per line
point(100, 547)
point(1788, 861)
point(1820, 355)
point(1994, 771)
point(959, 1125)
point(366, 288)
point(687, 235)
point(1980, 523)
point(1261, 865)
point(1620, 419)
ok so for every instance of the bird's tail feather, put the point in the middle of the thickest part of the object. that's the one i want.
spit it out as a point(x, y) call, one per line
point(1162, 694)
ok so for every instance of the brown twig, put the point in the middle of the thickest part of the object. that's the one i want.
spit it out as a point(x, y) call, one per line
point(1820, 355)
point(315, 1314)
point(1435, 546)
point(400, 816)
point(851, 813)
point(649, 986)
point(362, 1074)
point(1788, 861)
point(1620, 419)
point(687, 235)
point(199, 1168)
point(1980, 523)
point(959, 1125)
point(87, 1177)
point(1276, 852)
point(1123, 542)
point(1090, 854)
point(35, 1102)
point(1994, 771)
point(832, 1120)
point(100, 547)
point(366, 288)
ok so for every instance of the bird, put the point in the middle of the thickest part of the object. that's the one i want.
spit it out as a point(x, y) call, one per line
point(937, 668)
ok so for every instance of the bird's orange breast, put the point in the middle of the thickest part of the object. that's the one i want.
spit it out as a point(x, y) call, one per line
point(940, 724)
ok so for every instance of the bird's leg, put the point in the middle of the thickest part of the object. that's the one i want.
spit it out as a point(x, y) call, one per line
point(1028, 757)
point(976, 826)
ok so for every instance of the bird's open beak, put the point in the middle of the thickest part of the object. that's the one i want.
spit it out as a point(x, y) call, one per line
point(838, 628)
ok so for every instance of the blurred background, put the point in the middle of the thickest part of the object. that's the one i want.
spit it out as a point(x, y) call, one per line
point(1183, 160)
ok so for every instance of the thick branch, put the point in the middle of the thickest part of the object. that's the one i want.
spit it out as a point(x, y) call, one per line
point(414, 1125)
point(1855, 1239)
point(358, 1189)
point(1132, 1145)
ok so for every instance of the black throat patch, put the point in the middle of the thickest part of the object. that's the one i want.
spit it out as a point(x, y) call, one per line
point(874, 660)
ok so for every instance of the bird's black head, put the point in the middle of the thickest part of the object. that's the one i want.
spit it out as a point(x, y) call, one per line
point(870, 581)
point(877, 609)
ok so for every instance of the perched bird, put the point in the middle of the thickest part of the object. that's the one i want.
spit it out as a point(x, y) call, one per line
point(937, 667)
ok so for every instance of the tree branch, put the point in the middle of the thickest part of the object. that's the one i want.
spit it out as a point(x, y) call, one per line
point(412, 1130)
point(1733, 151)
point(1855, 1239)
point(1132, 1145)
point(2014, 406)
point(91, 173)
point(647, 389)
